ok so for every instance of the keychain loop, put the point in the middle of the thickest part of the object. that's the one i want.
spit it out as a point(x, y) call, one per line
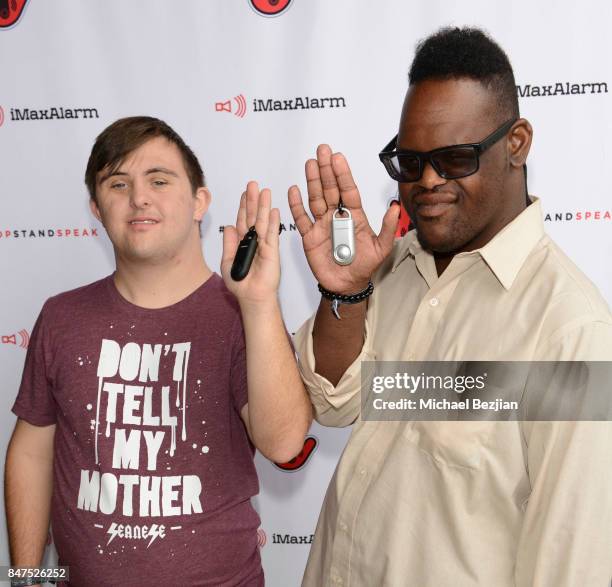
point(340, 209)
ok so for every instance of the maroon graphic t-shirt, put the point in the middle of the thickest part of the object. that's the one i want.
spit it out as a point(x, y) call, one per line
point(153, 470)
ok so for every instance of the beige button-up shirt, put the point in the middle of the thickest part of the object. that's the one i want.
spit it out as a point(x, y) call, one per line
point(493, 504)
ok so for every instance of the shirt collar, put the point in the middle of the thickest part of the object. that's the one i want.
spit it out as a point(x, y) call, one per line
point(505, 253)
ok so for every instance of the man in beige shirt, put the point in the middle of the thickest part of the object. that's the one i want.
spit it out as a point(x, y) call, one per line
point(434, 503)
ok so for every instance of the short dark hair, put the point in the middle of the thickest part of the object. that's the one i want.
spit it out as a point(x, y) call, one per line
point(125, 135)
point(454, 53)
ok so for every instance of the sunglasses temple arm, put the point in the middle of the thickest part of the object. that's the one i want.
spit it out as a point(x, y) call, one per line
point(392, 144)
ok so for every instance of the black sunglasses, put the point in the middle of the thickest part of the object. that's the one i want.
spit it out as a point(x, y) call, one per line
point(450, 162)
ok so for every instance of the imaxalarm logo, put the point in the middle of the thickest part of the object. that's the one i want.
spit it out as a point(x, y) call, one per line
point(270, 7)
point(238, 105)
point(10, 12)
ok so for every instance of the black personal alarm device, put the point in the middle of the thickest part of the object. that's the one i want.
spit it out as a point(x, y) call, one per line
point(244, 255)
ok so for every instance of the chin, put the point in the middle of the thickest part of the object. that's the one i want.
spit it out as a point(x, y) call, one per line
point(142, 255)
point(436, 243)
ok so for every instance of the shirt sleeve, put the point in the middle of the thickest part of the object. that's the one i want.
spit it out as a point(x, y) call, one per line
point(333, 406)
point(35, 402)
point(238, 374)
point(567, 531)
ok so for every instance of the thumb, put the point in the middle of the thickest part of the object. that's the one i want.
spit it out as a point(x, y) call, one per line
point(389, 227)
point(230, 246)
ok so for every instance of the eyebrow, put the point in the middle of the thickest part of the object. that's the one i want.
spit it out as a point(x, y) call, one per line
point(147, 172)
point(161, 170)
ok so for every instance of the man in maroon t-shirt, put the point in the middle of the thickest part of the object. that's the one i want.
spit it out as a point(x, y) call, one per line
point(144, 394)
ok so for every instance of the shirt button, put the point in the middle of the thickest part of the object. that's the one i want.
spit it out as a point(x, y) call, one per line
point(362, 472)
point(343, 527)
point(434, 302)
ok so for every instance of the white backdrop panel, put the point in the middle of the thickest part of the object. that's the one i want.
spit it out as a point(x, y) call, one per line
point(177, 60)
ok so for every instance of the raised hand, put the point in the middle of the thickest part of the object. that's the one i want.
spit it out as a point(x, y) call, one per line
point(261, 283)
point(328, 179)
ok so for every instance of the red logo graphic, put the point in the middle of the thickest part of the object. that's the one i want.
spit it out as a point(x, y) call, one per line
point(1, 116)
point(241, 106)
point(404, 224)
point(261, 538)
point(10, 12)
point(24, 339)
point(270, 7)
point(296, 463)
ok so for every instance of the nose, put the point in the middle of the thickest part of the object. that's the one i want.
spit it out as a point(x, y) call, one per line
point(430, 178)
point(140, 196)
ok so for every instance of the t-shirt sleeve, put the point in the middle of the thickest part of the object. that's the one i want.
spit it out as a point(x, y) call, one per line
point(35, 403)
point(238, 375)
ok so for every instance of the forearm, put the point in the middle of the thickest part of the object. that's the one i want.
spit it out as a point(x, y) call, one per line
point(279, 409)
point(28, 482)
point(337, 343)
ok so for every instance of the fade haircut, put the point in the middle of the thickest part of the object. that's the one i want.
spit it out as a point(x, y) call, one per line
point(454, 53)
point(123, 137)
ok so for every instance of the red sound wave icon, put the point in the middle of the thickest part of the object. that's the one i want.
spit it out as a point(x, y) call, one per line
point(240, 109)
point(24, 339)
point(1, 116)
point(241, 106)
point(261, 538)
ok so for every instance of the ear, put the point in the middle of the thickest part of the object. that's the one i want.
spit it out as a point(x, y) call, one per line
point(94, 209)
point(202, 197)
point(519, 142)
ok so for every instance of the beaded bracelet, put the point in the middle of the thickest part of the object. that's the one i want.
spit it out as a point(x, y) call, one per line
point(337, 299)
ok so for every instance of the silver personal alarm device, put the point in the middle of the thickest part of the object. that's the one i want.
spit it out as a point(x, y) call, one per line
point(343, 236)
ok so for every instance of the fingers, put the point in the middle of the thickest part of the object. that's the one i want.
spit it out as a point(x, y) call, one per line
point(316, 200)
point(241, 218)
point(329, 183)
point(300, 217)
point(388, 229)
point(330, 180)
point(230, 246)
point(252, 203)
point(273, 234)
point(262, 218)
point(346, 184)
point(255, 211)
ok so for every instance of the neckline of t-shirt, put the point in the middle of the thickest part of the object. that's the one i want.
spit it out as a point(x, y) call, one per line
point(133, 309)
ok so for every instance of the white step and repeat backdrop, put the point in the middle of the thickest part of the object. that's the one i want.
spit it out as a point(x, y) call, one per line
point(254, 94)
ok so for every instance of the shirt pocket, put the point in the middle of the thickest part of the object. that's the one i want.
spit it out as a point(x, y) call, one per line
point(457, 444)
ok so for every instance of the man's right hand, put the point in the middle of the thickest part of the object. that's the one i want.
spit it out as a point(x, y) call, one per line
point(329, 179)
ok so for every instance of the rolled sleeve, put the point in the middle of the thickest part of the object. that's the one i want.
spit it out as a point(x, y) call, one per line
point(333, 406)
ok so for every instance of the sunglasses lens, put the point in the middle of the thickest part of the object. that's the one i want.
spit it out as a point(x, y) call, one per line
point(456, 162)
point(408, 167)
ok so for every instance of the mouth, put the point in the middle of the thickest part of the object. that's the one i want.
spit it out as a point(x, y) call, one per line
point(142, 221)
point(433, 205)
point(433, 210)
